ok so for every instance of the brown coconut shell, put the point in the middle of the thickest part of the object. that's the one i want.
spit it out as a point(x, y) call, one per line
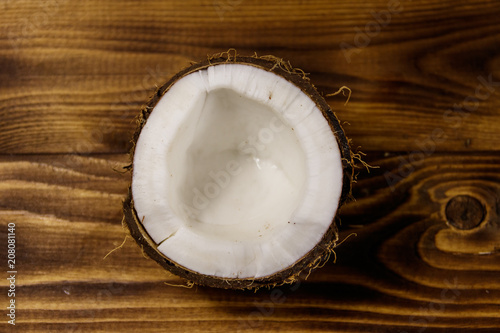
point(316, 256)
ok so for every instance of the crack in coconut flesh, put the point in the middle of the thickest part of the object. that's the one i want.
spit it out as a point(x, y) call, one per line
point(237, 176)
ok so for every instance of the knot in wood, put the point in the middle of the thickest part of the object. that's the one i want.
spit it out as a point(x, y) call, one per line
point(464, 212)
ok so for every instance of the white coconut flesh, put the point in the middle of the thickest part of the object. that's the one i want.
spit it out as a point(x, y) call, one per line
point(237, 173)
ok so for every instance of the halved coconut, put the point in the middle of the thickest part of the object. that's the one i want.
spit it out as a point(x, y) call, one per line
point(239, 168)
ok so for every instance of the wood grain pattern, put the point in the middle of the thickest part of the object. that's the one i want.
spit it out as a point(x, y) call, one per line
point(105, 59)
point(73, 76)
point(406, 270)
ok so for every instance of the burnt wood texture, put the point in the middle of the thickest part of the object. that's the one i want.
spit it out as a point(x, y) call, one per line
point(421, 240)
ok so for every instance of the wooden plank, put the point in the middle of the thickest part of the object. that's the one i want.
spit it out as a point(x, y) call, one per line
point(407, 270)
point(72, 187)
point(73, 75)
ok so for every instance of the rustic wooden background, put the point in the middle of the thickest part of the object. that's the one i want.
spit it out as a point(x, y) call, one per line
point(425, 107)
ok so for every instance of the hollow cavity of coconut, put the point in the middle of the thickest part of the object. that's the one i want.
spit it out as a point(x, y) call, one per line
point(239, 168)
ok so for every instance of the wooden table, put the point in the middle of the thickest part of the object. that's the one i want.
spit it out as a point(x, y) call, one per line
point(425, 108)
